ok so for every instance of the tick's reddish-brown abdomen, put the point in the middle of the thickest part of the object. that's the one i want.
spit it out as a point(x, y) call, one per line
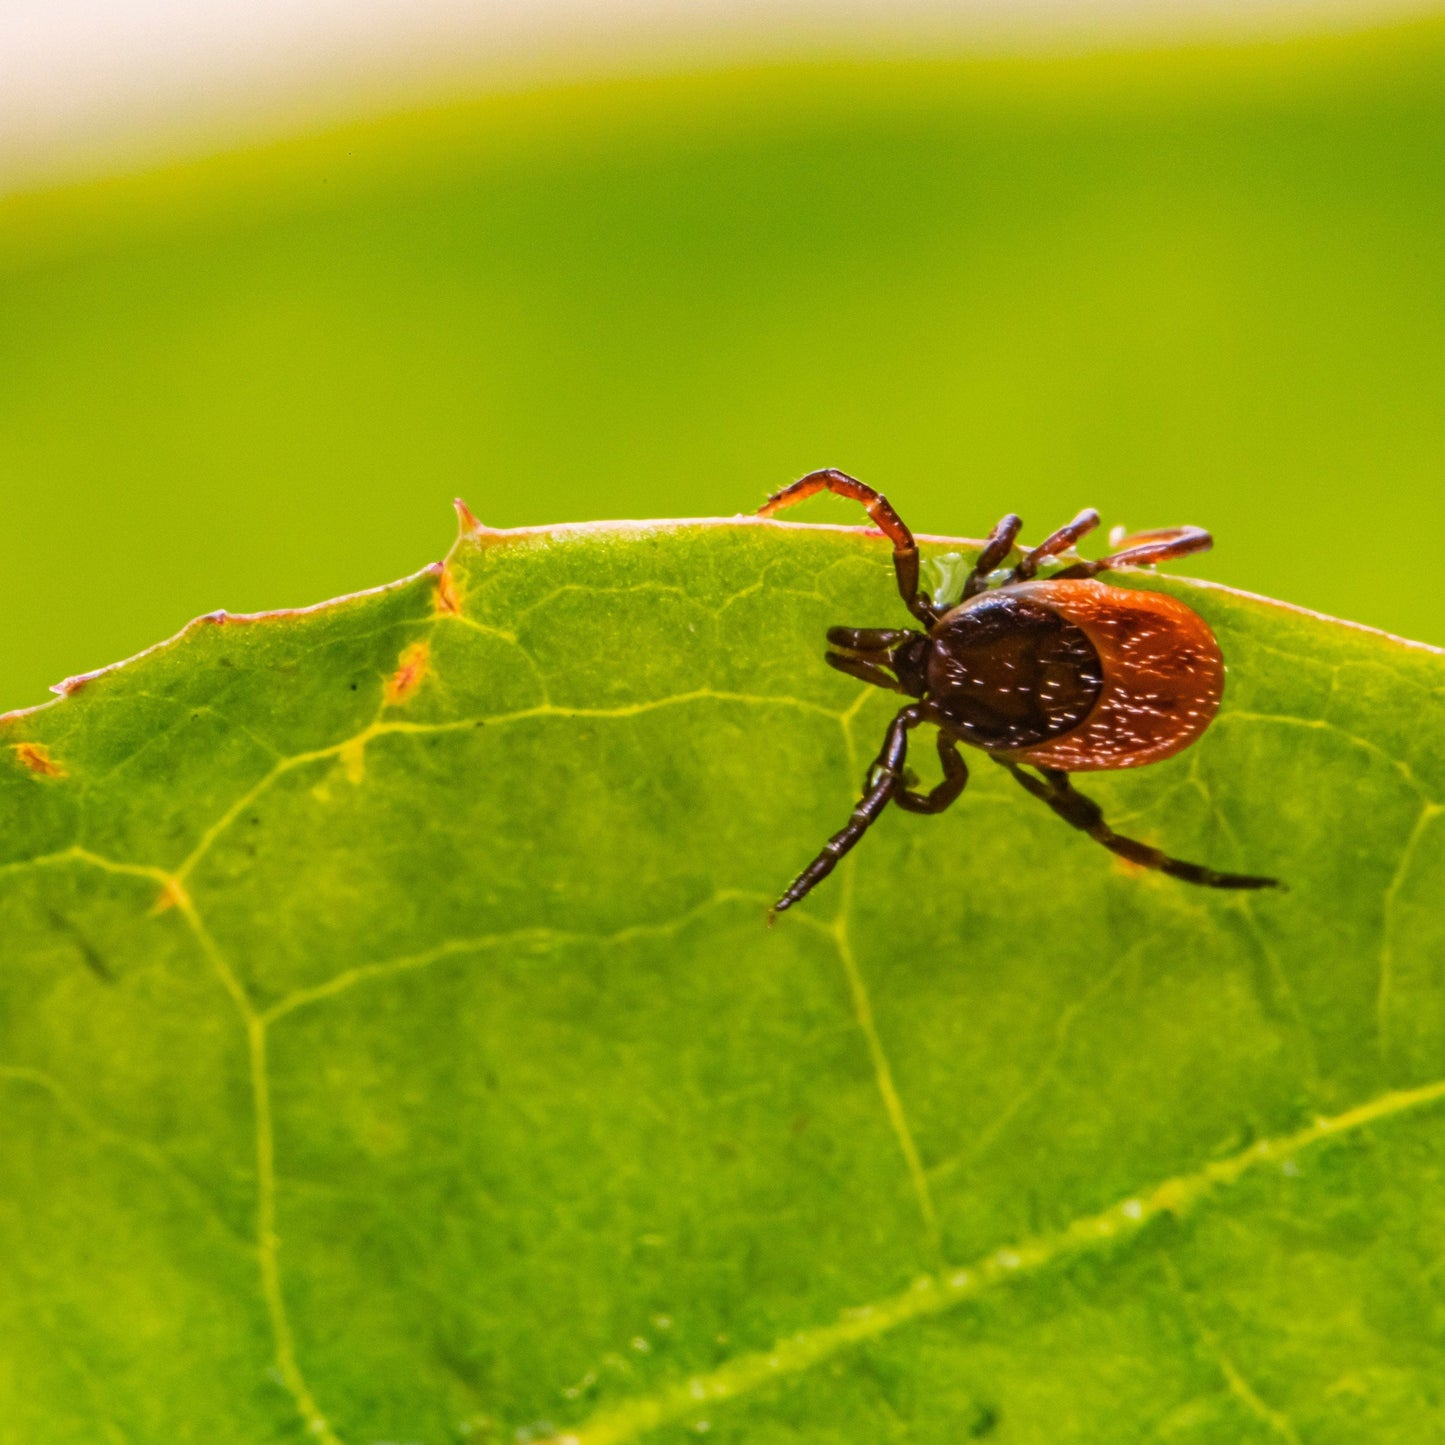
point(1163, 676)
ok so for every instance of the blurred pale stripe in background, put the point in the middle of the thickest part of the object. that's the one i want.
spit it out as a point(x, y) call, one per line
point(87, 86)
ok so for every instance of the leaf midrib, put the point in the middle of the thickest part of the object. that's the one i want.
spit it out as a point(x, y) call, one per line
point(934, 1294)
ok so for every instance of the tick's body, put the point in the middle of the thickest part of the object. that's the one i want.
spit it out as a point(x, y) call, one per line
point(1065, 675)
point(1075, 674)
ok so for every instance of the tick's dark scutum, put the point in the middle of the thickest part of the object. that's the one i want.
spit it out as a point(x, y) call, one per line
point(1009, 672)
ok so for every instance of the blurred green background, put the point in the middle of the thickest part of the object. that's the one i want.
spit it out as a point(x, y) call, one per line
point(1203, 286)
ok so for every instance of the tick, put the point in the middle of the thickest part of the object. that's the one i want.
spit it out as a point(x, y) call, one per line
point(1060, 675)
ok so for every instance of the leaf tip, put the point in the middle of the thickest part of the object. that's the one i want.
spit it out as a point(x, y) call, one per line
point(467, 522)
point(471, 529)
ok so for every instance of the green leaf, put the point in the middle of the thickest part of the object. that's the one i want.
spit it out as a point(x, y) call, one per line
point(394, 1048)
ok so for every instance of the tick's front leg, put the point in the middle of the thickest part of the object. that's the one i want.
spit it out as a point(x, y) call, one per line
point(880, 511)
point(885, 778)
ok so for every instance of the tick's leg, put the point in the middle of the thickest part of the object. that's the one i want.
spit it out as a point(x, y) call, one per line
point(885, 777)
point(995, 549)
point(1055, 789)
point(880, 511)
point(866, 653)
point(1145, 549)
point(1053, 544)
point(955, 778)
point(868, 639)
point(863, 670)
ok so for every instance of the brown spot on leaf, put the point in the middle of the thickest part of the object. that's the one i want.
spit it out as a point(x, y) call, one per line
point(448, 599)
point(36, 757)
point(411, 667)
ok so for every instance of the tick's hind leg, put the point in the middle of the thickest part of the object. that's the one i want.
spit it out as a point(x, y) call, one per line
point(1055, 789)
point(880, 511)
point(998, 545)
point(1054, 543)
point(1145, 549)
point(885, 779)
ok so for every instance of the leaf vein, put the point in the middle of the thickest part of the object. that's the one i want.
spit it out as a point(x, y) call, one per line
point(381, 728)
point(936, 1294)
point(268, 1244)
point(1385, 988)
point(1246, 908)
point(1239, 1387)
point(863, 1014)
point(142, 1149)
point(454, 947)
point(1043, 1076)
point(1324, 725)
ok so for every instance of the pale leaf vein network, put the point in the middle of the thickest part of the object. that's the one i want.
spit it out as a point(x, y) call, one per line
point(934, 1294)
